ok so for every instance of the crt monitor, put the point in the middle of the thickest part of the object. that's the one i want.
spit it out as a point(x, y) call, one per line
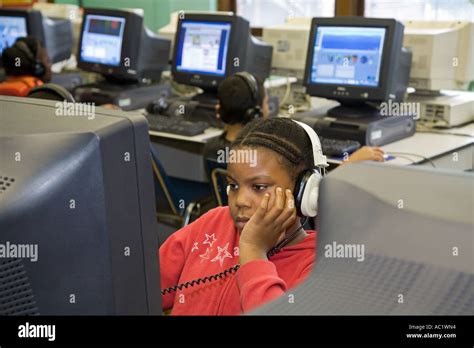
point(208, 47)
point(356, 61)
point(11, 28)
point(290, 42)
point(369, 251)
point(16, 23)
point(77, 211)
point(55, 34)
point(442, 54)
point(116, 44)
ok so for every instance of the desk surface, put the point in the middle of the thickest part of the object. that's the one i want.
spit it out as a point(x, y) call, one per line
point(426, 145)
point(415, 149)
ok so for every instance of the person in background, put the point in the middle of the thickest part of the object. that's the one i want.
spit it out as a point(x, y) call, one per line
point(26, 65)
point(242, 98)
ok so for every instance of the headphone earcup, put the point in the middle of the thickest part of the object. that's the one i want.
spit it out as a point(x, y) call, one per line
point(39, 69)
point(306, 193)
point(252, 113)
point(257, 112)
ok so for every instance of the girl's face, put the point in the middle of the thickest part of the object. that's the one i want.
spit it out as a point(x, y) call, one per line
point(248, 182)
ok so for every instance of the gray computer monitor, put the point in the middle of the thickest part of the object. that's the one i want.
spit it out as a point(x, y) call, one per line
point(391, 241)
point(77, 205)
point(54, 33)
point(209, 47)
point(116, 44)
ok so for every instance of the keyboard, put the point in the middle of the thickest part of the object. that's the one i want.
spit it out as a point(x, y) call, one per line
point(338, 147)
point(175, 125)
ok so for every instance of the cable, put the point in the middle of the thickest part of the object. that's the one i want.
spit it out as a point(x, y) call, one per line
point(445, 133)
point(412, 154)
point(407, 158)
point(283, 243)
point(221, 275)
point(233, 269)
point(287, 92)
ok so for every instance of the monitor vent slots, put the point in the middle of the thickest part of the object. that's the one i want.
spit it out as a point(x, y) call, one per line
point(16, 295)
point(5, 183)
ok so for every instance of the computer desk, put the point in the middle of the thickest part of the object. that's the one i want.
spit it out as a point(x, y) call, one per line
point(449, 149)
point(441, 150)
point(182, 156)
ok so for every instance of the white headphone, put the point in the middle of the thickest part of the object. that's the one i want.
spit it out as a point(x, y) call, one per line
point(307, 185)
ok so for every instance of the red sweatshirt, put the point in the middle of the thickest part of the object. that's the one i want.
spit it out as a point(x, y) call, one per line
point(209, 246)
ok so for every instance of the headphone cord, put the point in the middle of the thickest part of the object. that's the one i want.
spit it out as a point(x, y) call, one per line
point(275, 250)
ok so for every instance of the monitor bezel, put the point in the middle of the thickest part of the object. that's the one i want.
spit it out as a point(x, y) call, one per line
point(344, 92)
point(130, 45)
point(33, 18)
point(208, 81)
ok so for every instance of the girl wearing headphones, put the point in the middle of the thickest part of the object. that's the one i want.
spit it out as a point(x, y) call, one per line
point(236, 258)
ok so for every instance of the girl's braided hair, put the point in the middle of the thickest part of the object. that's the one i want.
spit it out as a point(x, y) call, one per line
point(283, 136)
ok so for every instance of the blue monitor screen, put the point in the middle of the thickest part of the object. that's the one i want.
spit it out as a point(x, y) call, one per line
point(203, 47)
point(347, 56)
point(11, 28)
point(102, 39)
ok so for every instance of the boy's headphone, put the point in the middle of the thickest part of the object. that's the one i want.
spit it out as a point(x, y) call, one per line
point(307, 184)
point(255, 111)
point(38, 67)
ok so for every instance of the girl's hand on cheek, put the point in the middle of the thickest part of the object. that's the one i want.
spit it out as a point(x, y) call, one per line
point(267, 226)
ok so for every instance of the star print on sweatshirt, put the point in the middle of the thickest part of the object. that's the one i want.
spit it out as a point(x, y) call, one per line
point(254, 284)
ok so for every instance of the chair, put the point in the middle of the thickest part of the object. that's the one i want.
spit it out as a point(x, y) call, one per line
point(177, 201)
point(51, 91)
point(217, 174)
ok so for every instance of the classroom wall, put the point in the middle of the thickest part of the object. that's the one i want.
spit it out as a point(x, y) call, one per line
point(157, 12)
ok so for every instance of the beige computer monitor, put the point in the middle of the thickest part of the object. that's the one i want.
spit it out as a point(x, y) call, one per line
point(443, 53)
point(290, 44)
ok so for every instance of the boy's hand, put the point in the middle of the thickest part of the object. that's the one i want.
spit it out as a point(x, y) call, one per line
point(267, 226)
point(367, 153)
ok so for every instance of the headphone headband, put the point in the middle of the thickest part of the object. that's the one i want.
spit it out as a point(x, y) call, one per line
point(22, 46)
point(320, 160)
point(251, 82)
point(255, 110)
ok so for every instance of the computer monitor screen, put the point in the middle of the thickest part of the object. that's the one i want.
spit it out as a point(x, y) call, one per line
point(345, 55)
point(203, 47)
point(11, 28)
point(102, 39)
